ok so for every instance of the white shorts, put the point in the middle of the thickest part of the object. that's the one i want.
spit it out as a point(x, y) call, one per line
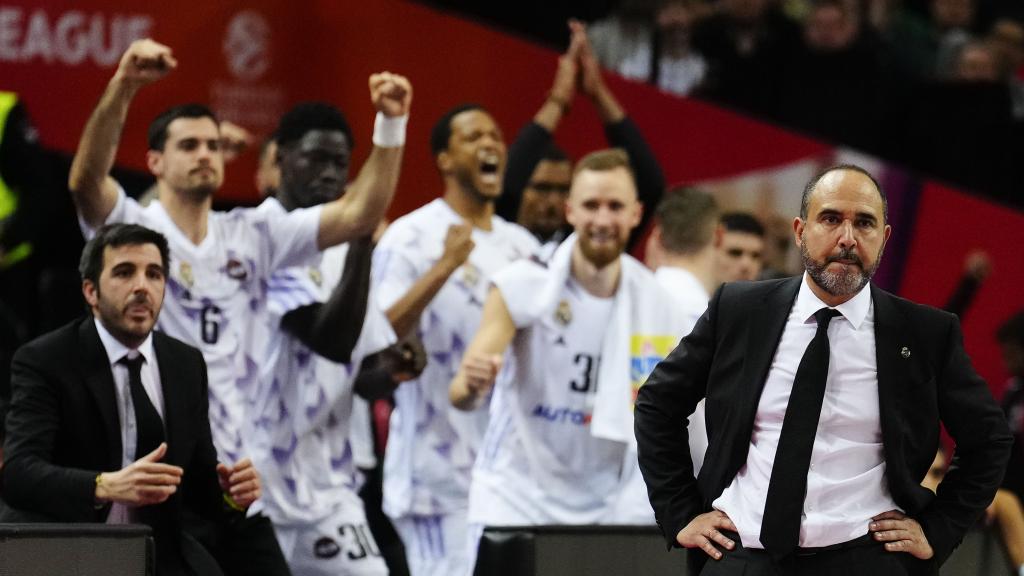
point(434, 545)
point(339, 545)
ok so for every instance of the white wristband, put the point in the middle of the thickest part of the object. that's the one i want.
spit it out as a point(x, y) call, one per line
point(389, 132)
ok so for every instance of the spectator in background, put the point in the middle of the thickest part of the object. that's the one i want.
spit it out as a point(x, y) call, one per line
point(836, 68)
point(537, 180)
point(906, 36)
point(655, 46)
point(741, 251)
point(953, 24)
point(1006, 37)
point(976, 61)
point(747, 45)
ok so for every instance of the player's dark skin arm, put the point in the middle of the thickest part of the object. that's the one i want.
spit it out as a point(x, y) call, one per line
point(331, 329)
point(381, 373)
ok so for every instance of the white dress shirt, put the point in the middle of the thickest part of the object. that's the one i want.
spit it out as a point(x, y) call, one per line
point(846, 483)
point(120, 513)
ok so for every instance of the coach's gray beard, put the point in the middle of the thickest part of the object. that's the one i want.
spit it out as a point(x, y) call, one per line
point(839, 284)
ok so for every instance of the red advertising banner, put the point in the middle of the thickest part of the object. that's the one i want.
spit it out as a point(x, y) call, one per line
point(251, 60)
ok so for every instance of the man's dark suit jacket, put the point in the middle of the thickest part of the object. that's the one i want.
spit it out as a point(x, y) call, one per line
point(924, 378)
point(63, 430)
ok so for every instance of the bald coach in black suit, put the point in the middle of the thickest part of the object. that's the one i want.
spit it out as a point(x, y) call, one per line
point(824, 398)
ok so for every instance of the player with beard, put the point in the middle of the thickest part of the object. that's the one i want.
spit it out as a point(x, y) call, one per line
point(431, 272)
point(221, 261)
point(578, 337)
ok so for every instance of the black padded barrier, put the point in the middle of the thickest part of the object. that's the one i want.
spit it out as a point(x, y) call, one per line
point(76, 550)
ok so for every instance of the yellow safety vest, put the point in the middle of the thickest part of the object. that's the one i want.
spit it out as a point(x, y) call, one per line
point(8, 199)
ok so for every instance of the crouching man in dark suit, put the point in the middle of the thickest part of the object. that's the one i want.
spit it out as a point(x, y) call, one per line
point(824, 398)
point(106, 416)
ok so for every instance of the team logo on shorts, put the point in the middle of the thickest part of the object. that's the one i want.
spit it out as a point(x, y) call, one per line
point(563, 314)
point(236, 270)
point(326, 548)
point(315, 276)
point(185, 271)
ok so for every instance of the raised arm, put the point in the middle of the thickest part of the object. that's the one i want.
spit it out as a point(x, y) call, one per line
point(381, 373)
point(331, 329)
point(621, 131)
point(482, 360)
point(367, 199)
point(92, 188)
point(405, 313)
point(528, 148)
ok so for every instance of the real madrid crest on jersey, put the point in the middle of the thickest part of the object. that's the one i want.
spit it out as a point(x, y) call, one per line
point(470, 274)
point(235, 269)
point(563, 314)
point(316, 276)
point(185, 272)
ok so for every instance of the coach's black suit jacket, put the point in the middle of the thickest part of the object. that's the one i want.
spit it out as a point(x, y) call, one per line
point(924, 377)
point(63, 430)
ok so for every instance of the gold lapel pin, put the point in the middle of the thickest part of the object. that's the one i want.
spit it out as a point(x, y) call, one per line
point(905, 352)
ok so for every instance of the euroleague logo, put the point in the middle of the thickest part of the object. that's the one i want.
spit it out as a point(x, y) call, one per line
point(247, 45)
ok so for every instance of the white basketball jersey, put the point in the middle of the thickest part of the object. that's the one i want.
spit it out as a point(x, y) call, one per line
point(431, 445)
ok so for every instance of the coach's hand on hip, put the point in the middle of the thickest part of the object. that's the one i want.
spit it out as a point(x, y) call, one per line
point(901, 533)
point(704, 529)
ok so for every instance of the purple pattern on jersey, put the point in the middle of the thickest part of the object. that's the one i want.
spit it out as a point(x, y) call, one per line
point(346, 457)
point(302, 357)
point(444, 449)
point(429, 413)
point(321, 402)
point(282, 411)
point(458, 344)
point(283, 453)
point(289, 483)
point(247, 380)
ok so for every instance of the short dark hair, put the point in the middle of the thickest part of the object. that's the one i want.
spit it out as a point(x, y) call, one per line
point(441, 133)
point(91, 264)
point(157, 135)
point(687, 217)
point(813, 183)
point(308, 116)
point(742, 222)
point(1012, 330)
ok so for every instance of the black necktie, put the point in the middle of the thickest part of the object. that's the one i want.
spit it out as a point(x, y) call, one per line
point(783, 508)
point(148, 424)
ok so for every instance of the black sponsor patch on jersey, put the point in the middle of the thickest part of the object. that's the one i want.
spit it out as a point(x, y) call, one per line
point(236, 270)
point(326, 548)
